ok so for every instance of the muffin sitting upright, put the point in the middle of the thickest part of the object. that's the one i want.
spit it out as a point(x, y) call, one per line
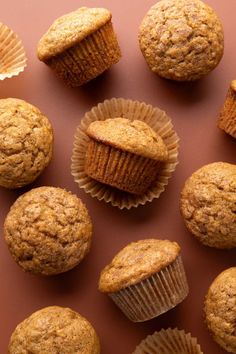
point(48, 231)
point(181, 40)
point(145, 279)
point(26, 142)
point(220, 309)
point(54, 330)
point(208, 205)
point(80, 45)
point(124, 154)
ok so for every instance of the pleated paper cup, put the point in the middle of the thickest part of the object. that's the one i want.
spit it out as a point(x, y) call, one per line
point(119, 107)
point(169, 341)
point(12, 53)
point(154, 295)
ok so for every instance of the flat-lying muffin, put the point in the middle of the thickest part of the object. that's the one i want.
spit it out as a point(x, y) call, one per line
point(80, 45)
point(124, 154)
point(208, 205)
point(220, 309)
point(181, 40)
point(227, 118)
point(48, 231)
point(26, 142)
point(54, 330)
point(145, 279)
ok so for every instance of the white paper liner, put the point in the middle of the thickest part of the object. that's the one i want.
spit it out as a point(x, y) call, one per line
point(119, 107)
point(155, 295)
point(169, 341)
point(12, 53)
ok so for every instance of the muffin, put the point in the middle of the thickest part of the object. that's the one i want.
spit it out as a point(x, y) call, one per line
point(220, 310)
point(54, 330)
point(208, 205)
point(124, 154)
point(181, 40)
point(26, 143)
point(48, 231)
point(227, 118)
point(80, 45)
point(169, 341)
point(145, 279)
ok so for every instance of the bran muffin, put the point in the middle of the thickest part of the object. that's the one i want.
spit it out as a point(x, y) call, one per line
point(220, 309)
point(145, 279)
point(169, 341)
point(80, 45)
point(54, 330)
point(181, 40)
point(124, 154)
point(48, 231)
point(208, 205)
point(227, 118)
point(26, 143)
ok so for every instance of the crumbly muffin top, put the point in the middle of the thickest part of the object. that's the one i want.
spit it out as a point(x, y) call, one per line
point(133, 136)
point(233, 85)
point(54, 330)
point(208, 204)
point(220, 309)
point(136, 262)
point(181, 40)
point(70, 29)
point(26, 142)
point(48, 231)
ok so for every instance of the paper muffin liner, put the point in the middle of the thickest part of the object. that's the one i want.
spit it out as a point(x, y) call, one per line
point(119, 107)
point(12, 53)
point(227, 119)
point(169, 341)
point(154, 295)
point(89, 58)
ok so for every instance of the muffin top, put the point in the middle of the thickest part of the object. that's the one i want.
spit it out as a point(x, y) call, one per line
point(133, 136)
point(208, 205)
point(136, 262)
point(48, 231)
point(54, 330)
point(26, 142)
point(220, 309)
point(181, 40)
point(70, 29)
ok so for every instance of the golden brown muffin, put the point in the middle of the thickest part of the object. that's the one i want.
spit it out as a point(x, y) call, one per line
point(48, 231)
point(227, 119)
point(124, 154)
point(80, 45)
point(26, 143)
point(145, 279)
point(54, 330)
point(220, 309)
point(169, 341)
point(181, 40)
point(208, 205)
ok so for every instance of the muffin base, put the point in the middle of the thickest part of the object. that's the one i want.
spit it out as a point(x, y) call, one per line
point(155, 295)
point(227, 119)
point(119, 107)
point(169, 341)
point(89, 58)
point(119, 169)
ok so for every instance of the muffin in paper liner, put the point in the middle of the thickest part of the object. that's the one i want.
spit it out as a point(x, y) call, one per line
point(227, 118)
point(119, 107)
point(12, 53)
point(154, 295)
point(169, 341)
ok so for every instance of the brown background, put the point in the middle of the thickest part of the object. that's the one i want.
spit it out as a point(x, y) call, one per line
point(193, 108)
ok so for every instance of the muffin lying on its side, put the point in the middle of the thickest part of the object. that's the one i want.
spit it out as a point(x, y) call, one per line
point(80, 45)
point(54, 330)
point(124, 154)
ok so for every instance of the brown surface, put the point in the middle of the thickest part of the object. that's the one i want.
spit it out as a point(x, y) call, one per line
point(194, 108)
